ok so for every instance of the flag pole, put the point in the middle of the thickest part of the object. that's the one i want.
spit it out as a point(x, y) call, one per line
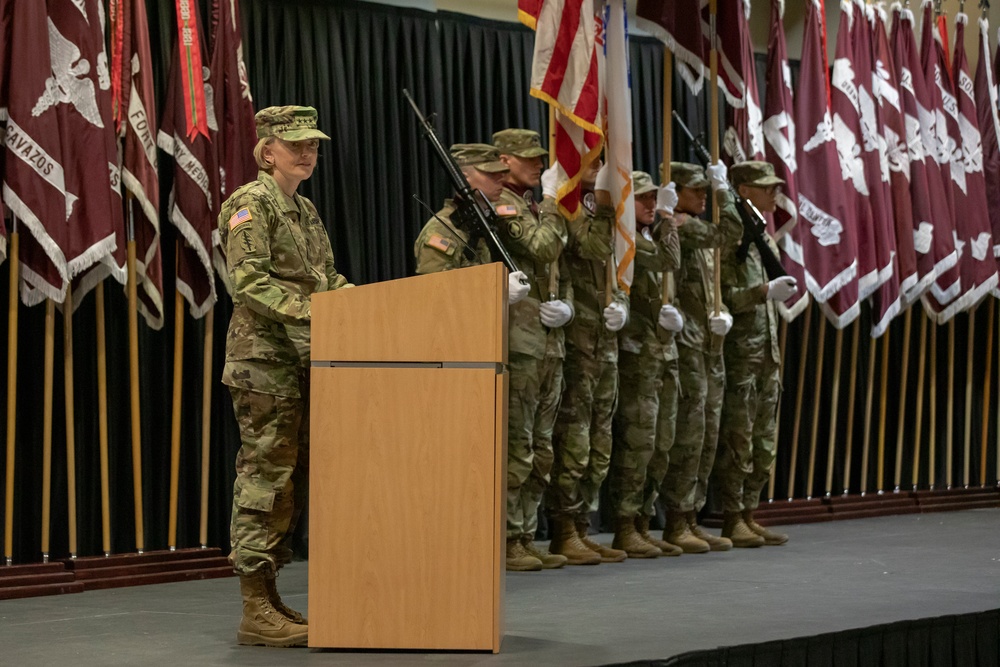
point(851, 396)
point(206, 422)
point(668, 138)
point(907, 333)
point(832, 442)
point(70, 418)
point(50, 338)
point(554, 266)
point(968, 398)
point(12, 306)
point(815, 415)
point(175, 421)
point(797, 423)
point(932, 442)
point(102, 419)
point(782, 339)
point(713, 133)
point(950, 410)
point(883, 400)
point(919, 416)
point(133, 363)
point(866, 435)
point(986, 393)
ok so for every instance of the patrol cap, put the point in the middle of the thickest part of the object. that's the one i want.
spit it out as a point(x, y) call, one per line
point(481, 156)
point(755, 173)
point(642, 183)
point(290, 123)
point(687, 175)
point(519, 143)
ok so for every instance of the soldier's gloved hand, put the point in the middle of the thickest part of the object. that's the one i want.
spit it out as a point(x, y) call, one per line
point(603, 181)
point(615, 316)
point(550, 182)
point(666, 198)
point(718, 175)
point(554, 314)
point(720, 324)
point(671, 318)
point(782, 288)
point(517, 287)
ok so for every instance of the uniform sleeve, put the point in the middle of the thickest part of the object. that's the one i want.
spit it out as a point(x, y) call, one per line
point(698, 233)
point(737, 293)
point(247, 234)
point(591, 235)
point(541, 239)
point(436, 252)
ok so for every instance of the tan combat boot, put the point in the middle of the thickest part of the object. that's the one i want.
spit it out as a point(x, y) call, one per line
point(566, 542)
point(270, 580)
point(642, 527)
point(631, 542)
point(679, 534)
point(739, 532)
point(262, 624)
point(549, 561)
point(771, 538)
point(607, 554)
point(518, 559)
point(714, 543)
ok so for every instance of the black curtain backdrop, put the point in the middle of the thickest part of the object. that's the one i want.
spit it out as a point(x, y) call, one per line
point(350, 60)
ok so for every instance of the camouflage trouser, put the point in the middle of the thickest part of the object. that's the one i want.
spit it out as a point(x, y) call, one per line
point(272, 477)
point(535, 389)
point(583, 435)
point(666, 420)
point(746, 435)
point(646, 386)
point(702, 380)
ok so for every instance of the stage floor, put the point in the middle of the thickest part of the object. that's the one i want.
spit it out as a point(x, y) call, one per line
point(829, 577)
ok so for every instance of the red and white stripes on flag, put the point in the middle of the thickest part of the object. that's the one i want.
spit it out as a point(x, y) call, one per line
point(678, 24)
point(617, 108)
point(744, 136)
point(564, 73)
point(989, 129)
point(825, 233)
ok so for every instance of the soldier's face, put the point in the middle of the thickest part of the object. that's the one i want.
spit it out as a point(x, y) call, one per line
point(765, 199)
point(589, 176)
point(525, 172)
point(489, 183)
point(645, 208)
point(692, 200)
point(294, 161)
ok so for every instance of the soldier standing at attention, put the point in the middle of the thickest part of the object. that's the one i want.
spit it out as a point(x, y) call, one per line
point(278, 255)
point(647, 369)
point(535, 342)
point(753, 368)
point(700, 365)
point(583, 426)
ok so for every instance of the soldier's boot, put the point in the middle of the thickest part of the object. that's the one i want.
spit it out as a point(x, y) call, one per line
point(262, 624)
point(518, 559)
point(771, 538)
point(714, 543)
point(607, 554)
point(631, 542)
point(739, 533)
point(270, 580)
point(549, 561)
point(566, 542)
point(679, 534)
point(642, 527)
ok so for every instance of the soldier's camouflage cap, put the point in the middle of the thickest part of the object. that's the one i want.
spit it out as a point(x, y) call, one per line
point(642, 183)
point(520, 143)
point(755, 173)
point(687, 175)
point(290, 123)
point(481, 156)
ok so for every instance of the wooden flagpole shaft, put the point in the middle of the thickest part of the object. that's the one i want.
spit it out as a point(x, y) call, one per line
point(554, 266)
point(832, 441)
point(971, 344)
point(997, 448)
point(932, 440)
point(813, 438)
point(50, 341)
point(70, 418)
point(782, 339)
point(206, 423)
point(133, 365)
point(666, 288)
point(799, 393)
point(901, 420)
point(12, 306)
point(102, 419)
point(883, 400)
point(713, 133)
point(175, 422)
point(919, 415)
point(866, 434)
point(950, 409)
point(851, 400)
point(987, 380)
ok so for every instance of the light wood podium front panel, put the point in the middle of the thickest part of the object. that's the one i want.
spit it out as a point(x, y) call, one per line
point(405, 541)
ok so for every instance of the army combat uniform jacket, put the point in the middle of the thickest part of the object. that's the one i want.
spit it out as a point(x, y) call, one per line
point(438, 248)
point(655, 258)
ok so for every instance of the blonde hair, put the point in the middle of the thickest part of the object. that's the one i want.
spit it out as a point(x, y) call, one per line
point(258, 155)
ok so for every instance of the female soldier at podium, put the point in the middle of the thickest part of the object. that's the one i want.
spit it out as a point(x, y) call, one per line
point(277, 254)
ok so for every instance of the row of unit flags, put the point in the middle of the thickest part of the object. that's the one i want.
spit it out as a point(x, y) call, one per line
point(81, 133)
point(890, 156)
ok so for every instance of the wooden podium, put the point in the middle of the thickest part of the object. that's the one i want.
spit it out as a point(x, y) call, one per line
point(408, 463)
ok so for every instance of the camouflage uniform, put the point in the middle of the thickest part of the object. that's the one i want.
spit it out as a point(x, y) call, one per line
point(753, 365)
point(278, 254)
point(647, 368)
point(583, 426)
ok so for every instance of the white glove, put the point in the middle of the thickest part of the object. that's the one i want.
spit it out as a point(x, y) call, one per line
point(550, 182)
point(603, 181)
point(782, 288)
point(666, 198)
point(720, 324)
point(615, 316)
point(718, 175)
point(554, 314)
point(671, 318)
point(517, 290)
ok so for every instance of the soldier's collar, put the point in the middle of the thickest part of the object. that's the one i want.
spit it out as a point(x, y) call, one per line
point(286, 203)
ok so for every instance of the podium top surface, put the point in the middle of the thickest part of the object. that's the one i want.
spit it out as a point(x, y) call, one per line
point(453, 316)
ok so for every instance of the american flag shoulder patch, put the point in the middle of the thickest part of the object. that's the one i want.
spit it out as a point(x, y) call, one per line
point(241, 216)
point(506, 210)
point(439, 242)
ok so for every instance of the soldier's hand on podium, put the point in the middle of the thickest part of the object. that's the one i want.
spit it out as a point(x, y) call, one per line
point(615, 316)
point(554, 314)
point(671, 318)
point(517, 287)
point(782, 288)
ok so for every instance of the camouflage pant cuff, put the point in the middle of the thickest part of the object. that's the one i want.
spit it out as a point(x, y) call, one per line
point(250, 562)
